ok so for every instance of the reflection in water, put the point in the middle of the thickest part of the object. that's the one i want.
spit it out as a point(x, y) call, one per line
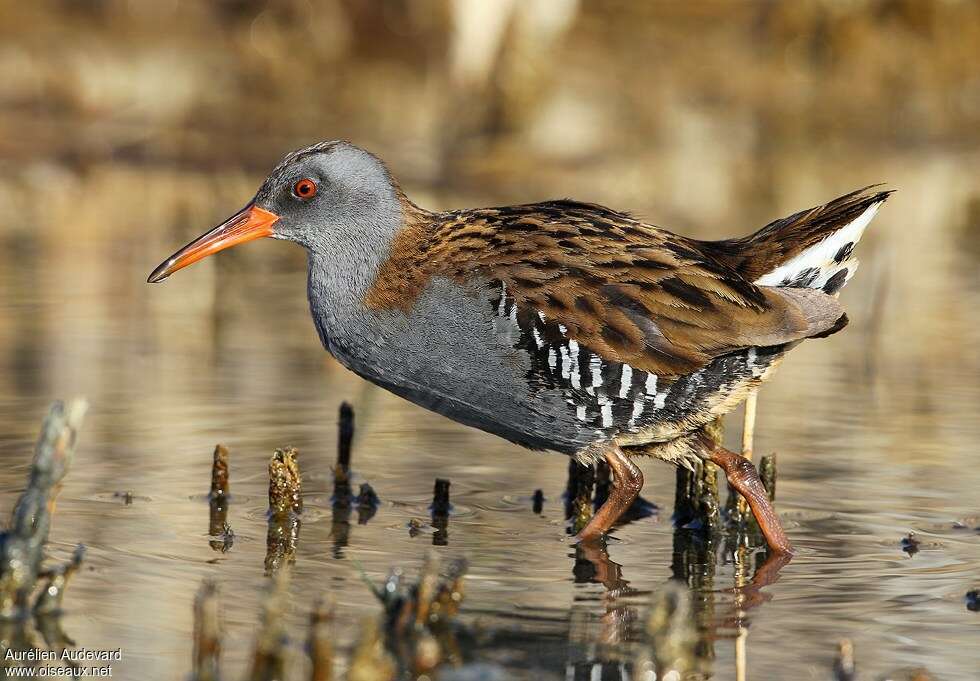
point(282, 536)
point(343, 497)
point(697, 551)
point(221, 537)
point(441, 509)
point(367, 503)
point(713, 609)
point(285, 510)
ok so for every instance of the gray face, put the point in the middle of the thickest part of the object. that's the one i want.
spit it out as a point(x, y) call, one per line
point(328, 196)
point(333, 198)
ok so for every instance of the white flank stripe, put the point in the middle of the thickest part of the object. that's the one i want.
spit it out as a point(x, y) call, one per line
point(595, 366)
point(566, 364)
point(580, 412)
point(552, 358)
point(606, 413)
point(637, 411)
point(575, 375)
point(661, 400)
point(537, 336)
point(513, 314)
point(626, 380)
point(651, 385)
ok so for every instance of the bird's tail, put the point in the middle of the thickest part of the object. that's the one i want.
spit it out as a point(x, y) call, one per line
point(810, 249)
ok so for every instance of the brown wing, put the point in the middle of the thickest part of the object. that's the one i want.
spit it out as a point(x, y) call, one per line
point(629, 292)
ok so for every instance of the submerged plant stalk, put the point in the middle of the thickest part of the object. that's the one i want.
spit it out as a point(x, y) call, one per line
point(269, 655)
point(767, 471)
point(219, 473)
point(345, 436)
point(669, 652)
point(21, 550)
point(51, 596)
point(285, 506)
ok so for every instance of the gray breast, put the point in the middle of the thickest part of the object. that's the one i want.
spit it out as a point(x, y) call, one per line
point(454, 356)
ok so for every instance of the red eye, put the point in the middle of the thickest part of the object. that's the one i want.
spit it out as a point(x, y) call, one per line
point(305, 188)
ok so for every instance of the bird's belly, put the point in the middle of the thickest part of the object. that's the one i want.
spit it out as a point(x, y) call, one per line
point(451, 358)
point(694, 400)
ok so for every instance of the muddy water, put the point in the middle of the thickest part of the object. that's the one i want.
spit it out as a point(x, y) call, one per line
point(876, 431)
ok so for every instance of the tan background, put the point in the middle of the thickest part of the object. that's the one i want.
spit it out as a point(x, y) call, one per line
point(127, 128)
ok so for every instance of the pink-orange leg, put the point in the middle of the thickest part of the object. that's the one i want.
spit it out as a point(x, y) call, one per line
point(626, 485)
point(743, 477)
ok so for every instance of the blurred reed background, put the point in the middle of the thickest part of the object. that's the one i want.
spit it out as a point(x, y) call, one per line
point(155, 118)
point(128, 127)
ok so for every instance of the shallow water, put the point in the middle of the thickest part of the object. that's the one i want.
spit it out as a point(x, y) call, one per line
point(876, 431)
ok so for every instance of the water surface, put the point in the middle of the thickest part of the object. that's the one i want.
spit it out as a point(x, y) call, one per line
point(876, 431)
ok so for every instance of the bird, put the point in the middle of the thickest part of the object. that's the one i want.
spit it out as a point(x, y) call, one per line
point(561, 325)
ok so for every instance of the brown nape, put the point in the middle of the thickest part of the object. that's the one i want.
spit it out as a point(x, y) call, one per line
point(629, 292)
point(743, 477)
point(754, 255)
point(627, 483)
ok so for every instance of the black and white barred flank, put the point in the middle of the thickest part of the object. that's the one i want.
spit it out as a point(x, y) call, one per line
point(614, 398)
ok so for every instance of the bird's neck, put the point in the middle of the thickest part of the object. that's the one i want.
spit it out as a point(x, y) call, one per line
point(343, 272)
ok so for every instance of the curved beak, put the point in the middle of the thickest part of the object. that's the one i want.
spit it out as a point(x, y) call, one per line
point(251, 223)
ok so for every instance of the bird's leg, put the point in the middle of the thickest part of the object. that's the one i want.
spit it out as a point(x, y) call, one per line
point(743, 477)
point(626, 485)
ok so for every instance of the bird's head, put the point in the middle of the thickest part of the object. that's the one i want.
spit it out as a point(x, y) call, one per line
point(328, 197)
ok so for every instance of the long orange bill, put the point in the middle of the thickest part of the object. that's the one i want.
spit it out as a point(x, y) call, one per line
point(251, 223)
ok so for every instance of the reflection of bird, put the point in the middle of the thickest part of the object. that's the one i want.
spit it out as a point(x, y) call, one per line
point(559, 325)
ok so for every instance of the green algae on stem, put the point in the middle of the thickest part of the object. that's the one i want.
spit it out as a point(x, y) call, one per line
point(285, 506)
point(285, 482)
